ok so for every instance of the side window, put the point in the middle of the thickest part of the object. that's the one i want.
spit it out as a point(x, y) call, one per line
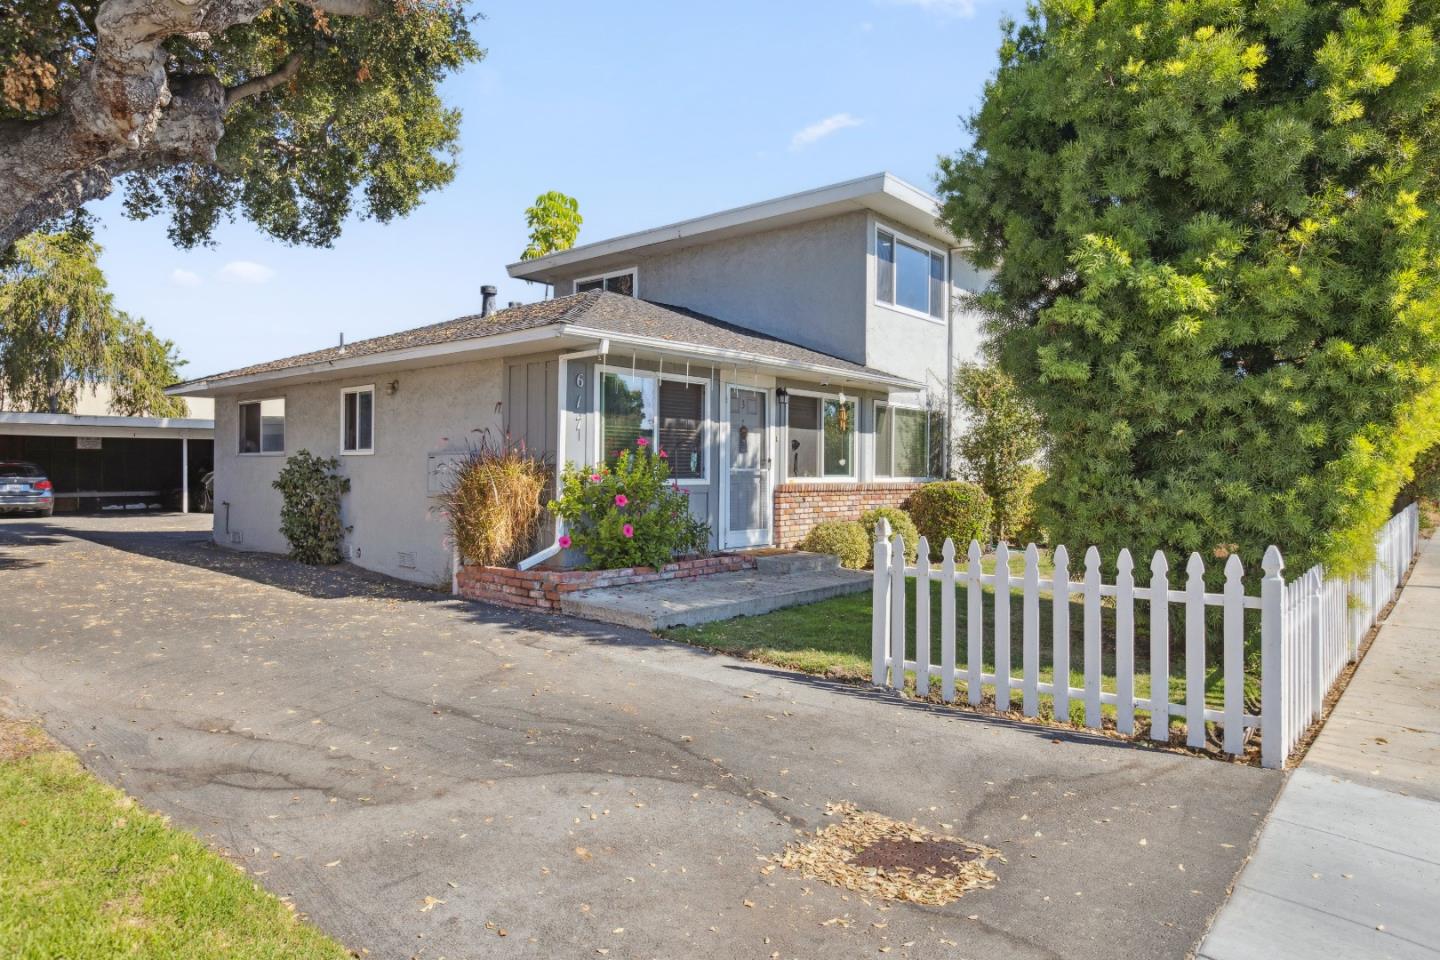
point(357, 428)
point(262, 426)
point(621, 282)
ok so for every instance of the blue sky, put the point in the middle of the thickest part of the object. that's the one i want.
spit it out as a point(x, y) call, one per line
point(646, 112)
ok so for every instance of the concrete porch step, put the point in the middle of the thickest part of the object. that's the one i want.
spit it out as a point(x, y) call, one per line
point(721, 596)
point(796, 561)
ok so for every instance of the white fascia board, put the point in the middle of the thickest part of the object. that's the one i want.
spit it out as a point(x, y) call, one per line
point(681, 348)
point(102, 422)
point(869, 192)
point(456, 348)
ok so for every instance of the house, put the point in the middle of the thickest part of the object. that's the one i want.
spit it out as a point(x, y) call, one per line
point(792, 356)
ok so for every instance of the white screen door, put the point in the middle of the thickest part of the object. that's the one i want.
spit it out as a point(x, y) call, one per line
point(748, 468)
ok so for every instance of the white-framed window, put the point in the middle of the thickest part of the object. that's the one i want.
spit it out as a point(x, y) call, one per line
point(668, 411)
point(616, 281)
point(357, 419)
point(904, 439)
point(261, 426)
point(909, 275)
point(820, 436)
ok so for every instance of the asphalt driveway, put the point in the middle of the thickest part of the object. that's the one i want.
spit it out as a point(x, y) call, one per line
point(418, 775)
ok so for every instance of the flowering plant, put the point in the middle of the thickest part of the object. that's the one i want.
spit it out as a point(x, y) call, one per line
point(630, 514)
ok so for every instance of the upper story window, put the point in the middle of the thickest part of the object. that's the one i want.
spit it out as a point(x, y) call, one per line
point(820, 434)
point(618, 281)
point(357, 419)
point(262, 426)
point(909, 274)
point(668, 412)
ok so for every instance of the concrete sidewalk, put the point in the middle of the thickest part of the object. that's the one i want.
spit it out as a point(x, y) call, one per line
point(1348, 864)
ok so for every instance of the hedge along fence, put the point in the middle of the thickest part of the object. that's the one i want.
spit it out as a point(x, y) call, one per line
point(1308, 631)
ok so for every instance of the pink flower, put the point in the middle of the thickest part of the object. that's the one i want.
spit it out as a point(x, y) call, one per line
point(564, 541)
point(594, 478)
point(642, 442)
point(628, 530)
point(621, 500)
point(663, 455)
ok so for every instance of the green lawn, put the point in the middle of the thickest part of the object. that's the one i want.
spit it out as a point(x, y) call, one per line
point(85, 872)
point(832, 638)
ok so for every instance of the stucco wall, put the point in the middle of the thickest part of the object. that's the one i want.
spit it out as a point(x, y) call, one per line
point(802, 283)
point(433, 409)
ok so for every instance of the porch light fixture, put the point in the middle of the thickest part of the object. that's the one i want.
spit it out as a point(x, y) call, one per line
point(782, 397)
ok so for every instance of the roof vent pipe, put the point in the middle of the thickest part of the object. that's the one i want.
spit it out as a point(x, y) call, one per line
point(487, 300)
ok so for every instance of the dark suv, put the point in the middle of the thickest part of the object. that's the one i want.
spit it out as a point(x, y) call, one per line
point(24, 486)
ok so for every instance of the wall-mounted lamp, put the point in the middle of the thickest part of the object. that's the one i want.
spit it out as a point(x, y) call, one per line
point(392, 388)
point(782, 397)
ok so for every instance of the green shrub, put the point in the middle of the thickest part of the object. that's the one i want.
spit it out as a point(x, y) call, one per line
point(1023, 525)
point(629, 515)
point(310, 512)
point(900, 523)
point(493, 502)
point(954, 509)
point(845, 539)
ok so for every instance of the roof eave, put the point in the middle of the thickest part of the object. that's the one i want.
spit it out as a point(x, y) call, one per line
point(214, 386)
point(749, 358)
point(860, 193)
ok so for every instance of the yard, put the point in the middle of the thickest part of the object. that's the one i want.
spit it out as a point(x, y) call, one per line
point(86, 872)
point(832, 638)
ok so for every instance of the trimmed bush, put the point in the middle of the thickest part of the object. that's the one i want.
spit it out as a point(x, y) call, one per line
point(310, 491)
point(954, 509)
point(493, 502)
point(900, 523)
point(1022, 524)
point(845, 539)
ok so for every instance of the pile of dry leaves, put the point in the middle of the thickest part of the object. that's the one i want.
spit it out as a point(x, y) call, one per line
point(873, 854)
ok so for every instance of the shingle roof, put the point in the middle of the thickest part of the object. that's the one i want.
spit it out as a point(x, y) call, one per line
point(593, 310)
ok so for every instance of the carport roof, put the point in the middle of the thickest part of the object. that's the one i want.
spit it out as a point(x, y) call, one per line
point(593, 314)
point(69, 424)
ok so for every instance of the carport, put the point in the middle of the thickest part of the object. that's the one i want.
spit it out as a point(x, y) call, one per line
point(97, 461)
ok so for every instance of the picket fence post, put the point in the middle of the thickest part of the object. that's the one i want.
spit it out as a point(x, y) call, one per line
point(1002, 627)
point(1160, 648)
point(1030, 656)
point(1273, 741)
point(922, 620)
point(1195, 652)
point(897, 613)
point(974, 621)
point(1234, 663)
point(880, 605)
point(1092, 638)
point(1125, 644)
point(1060, 622)
point(947, 621)
point(1317, 644)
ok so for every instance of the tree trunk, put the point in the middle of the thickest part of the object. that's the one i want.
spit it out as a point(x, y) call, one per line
point(123, 112)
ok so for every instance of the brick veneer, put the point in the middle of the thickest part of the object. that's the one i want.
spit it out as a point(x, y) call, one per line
point(800, 506)
point(541, 589)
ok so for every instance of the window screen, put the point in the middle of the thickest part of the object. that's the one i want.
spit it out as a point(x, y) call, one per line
point(682, 428)
point(804, 436)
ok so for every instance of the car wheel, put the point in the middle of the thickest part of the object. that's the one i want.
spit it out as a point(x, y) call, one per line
point(46, 513)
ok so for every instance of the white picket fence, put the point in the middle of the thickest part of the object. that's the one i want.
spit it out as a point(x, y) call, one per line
point(1309, 630)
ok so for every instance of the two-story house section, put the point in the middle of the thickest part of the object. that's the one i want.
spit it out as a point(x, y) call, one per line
point(793, 357)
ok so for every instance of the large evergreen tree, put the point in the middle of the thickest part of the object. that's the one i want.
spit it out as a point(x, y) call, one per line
point(1216, 230)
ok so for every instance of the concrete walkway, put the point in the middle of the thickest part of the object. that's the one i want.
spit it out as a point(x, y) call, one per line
point(1348, 864)
point(778, 581)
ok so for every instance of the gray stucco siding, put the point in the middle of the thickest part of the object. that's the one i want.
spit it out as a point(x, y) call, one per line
point(389, 507)
point(801, 283)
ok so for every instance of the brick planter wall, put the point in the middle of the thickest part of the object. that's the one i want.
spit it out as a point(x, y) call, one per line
point(800, 506)
point(541, 589)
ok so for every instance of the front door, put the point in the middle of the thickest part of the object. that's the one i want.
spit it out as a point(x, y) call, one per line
point(747, 462)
